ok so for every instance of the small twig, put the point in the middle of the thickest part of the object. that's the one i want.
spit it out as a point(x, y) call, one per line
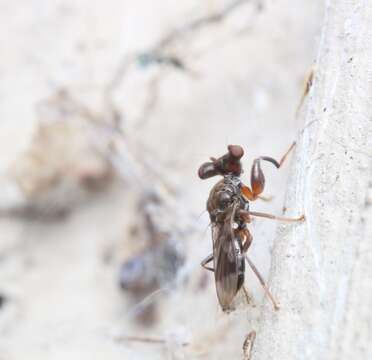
point(157, 55)
point(248, 345)
point(148, 340)
point(151, 101)
point(198, 24)
point(308, 83)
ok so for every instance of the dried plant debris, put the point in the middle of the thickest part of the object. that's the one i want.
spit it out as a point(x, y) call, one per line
point(307, 84)
point(64, 163)
point(149, 340)
point(168, 53)
point(148, 271)
point(199, 24)
point(161, 53)
point(157, 265)
point(173, 344)
point(152, 268)
point(248, 345)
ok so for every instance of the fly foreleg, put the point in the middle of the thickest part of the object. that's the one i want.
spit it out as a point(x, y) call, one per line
point(206, 261)
point(258, 177)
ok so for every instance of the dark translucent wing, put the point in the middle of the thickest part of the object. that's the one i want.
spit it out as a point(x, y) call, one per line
point(228, 261)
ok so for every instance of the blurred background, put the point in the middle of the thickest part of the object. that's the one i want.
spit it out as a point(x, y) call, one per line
point(107, 110)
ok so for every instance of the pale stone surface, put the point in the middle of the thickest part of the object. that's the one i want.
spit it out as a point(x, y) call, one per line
point(243, 85)
point(321, 270)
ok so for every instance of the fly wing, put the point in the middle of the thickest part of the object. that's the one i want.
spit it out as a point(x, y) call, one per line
point(228, 261)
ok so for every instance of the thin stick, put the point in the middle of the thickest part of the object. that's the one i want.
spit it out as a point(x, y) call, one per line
point(308, 82)
point(262, 282)
point(248, 345)
point(144, 339)
point(198, 24)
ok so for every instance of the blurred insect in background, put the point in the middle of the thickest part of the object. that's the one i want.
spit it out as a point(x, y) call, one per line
point(161, 250)
point(229, 211)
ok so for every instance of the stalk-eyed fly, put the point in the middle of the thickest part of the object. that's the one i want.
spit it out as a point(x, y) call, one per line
point(229, 211)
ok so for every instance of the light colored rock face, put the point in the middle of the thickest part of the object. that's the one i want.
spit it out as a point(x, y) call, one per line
point(241, 84)
point(321, 269)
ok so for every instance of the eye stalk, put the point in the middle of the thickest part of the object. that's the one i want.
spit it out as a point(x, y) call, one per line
point(225, 165)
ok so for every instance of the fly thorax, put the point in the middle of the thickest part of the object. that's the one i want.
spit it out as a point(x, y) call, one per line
point(235, 185)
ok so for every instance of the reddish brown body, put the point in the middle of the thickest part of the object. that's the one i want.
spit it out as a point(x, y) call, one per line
point(228, 208)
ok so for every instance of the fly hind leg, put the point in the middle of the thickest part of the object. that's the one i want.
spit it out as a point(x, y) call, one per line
point(246, 242)
point(262, 282)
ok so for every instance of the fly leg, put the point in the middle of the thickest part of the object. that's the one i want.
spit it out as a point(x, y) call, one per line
point(274, 217)
point(247, 240)
point(206, 261)
point(262, 282)
point(258, 177)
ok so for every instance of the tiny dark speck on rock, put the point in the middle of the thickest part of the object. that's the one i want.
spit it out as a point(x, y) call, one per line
point(324, 109)
point(350, 60)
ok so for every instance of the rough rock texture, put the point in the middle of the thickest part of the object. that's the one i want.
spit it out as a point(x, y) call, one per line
point(322, 270)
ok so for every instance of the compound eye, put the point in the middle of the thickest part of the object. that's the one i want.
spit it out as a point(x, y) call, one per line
point(235, 151)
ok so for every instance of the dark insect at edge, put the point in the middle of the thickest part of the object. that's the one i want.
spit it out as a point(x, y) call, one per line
point(228, 208)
